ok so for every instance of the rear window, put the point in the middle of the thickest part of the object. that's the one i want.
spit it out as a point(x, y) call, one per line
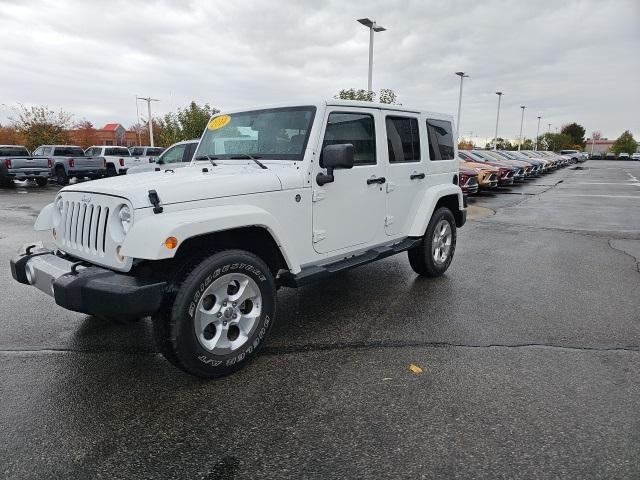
point(117, 151)
point(137, 151)
point(68, 152)
point(440, 140)
point(13, 152)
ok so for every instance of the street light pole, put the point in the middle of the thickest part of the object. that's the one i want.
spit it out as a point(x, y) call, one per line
point(495, 137)
point(373, 27)
point(138, 121)
point(521, 122)
point(538, 132)
point(593, 141)
point(462, 76)
point(549, 131)
point(149, 118)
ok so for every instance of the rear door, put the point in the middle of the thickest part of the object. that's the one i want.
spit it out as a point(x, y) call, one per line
point(406, 173)
point(350, 210)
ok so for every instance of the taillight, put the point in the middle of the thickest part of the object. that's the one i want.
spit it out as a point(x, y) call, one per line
point(72, 162)
point(7, 163)
point(122, 162)
point(49, 163)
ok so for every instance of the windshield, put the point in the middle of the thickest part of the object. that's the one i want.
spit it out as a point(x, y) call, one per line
point(275, 133)
point(13, 152)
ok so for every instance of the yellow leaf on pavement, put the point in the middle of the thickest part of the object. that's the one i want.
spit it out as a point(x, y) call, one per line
point(415, 369)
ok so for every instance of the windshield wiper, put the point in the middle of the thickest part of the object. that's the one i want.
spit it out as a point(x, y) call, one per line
point(246, 155)
point(207, 157)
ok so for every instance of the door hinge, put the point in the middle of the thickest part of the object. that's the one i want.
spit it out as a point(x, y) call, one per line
point(391, 187)
point(318, 195)
point(388, 220)
point(319, 235)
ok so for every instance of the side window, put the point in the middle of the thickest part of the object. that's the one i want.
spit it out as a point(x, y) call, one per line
point(136, 152)
point(191, 149)
point(173, 155)
point(46, 151)
point(440, 139)
point(403, 139)
point(38, 152)
point(355, 128)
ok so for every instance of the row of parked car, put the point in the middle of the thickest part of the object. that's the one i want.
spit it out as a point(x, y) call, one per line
point(63, 162)
point(490, 169)
point(612, 156)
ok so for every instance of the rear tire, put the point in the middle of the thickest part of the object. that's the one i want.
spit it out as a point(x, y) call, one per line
point(224, 308)
point(111, 171)
point(434, 255)
point(61, 176)
point(41, 182)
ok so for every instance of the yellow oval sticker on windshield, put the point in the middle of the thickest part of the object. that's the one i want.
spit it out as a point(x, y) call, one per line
point(218, 122)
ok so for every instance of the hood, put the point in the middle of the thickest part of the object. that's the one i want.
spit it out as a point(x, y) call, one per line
point(186, 184)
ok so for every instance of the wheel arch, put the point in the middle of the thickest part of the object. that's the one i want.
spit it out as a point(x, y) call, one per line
point(445, 195)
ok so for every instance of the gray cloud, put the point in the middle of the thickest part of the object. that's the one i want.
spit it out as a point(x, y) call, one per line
point(569, 61)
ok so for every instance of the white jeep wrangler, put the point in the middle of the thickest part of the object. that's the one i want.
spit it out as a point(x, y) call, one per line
point(278, 196)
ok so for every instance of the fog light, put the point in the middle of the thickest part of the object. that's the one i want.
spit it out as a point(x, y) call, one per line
point(171, 243)
point(119, 256)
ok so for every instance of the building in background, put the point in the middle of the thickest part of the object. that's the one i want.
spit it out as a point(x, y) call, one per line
point(110, 134)
point(602, 145)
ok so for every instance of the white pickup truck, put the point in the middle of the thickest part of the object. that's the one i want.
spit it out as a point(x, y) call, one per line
point(117, 159)
point(283, 196)
point(150, 154)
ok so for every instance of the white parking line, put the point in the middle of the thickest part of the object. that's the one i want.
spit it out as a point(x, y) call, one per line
point(632, 177)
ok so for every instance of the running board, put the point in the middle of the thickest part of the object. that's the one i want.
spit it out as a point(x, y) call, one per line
point(317, 272)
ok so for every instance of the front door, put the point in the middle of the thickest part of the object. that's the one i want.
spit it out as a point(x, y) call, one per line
point(350, 210)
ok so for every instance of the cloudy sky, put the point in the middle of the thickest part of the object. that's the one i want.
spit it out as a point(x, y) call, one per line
point(570, 60)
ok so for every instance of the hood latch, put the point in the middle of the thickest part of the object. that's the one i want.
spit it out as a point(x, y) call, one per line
point(155, 201)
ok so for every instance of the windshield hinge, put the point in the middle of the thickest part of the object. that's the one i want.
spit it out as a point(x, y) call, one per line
point(388, 220)
point(155, 201)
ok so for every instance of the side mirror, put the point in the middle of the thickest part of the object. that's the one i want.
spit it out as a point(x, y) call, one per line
point(334, 157)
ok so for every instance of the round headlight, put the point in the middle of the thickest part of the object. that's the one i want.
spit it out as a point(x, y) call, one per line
point(125, 218)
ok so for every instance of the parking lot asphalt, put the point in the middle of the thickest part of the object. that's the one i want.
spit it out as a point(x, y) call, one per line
point(529, 348)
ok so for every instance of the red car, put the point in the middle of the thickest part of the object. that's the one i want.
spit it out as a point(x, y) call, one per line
point(468, 181)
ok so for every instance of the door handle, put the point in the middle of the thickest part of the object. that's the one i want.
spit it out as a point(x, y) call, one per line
point(414, 176)
point(379, 180)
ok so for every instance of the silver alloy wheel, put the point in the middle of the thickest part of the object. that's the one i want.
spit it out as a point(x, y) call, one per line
point(227, 313)
point(441, 242)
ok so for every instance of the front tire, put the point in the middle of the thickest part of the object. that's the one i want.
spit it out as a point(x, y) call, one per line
point(220, 316)
point(434, 255)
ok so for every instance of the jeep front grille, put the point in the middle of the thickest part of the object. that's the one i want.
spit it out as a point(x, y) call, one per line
point(89, 228)
point(84, 226)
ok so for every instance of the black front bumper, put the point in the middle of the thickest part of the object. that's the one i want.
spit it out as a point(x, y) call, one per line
point(92, 290)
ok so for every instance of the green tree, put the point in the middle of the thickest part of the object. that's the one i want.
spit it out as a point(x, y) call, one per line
point(555, 142)
point(185, 124)
point(356, 94)
point(576, 132)
point(501, 144)
point(625, 143)
point(386, 95)
point(39, 125)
